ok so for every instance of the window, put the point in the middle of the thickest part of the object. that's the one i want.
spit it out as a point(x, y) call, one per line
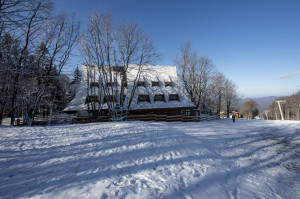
point(94, 84)
point(141, 84)
point(118, 68)
point(110, 84)
point(155, 83)
point(91, 98)
point(168, 84)
point(174, 97)
point(160, 98)
point(143, 98)
point(109, 98)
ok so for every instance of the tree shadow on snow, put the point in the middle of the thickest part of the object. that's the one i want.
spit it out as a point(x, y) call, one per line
point(103, 152)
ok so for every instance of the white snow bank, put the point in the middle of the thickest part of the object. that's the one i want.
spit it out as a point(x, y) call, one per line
point(248, 159)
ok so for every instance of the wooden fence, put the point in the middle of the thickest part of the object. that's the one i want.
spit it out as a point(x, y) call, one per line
point(172, 118)
point(153, 117)
point(147, 117)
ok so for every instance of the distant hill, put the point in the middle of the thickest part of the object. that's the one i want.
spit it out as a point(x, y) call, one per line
point(263, 102)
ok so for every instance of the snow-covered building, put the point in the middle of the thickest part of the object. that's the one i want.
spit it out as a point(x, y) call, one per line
point(157, 91)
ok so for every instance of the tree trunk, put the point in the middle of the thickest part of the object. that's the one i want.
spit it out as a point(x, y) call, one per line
point(228, 109)
point(1, 114)
point(13, 108)
point(51, 109)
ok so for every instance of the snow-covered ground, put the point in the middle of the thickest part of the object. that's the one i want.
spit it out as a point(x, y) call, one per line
point(248, 159)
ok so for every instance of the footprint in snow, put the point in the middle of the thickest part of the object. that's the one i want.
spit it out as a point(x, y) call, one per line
point(236, 193)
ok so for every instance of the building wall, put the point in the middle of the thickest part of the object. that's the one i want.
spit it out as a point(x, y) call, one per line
point(157, 82)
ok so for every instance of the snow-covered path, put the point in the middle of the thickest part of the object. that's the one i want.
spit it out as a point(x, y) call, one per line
point(248, 159)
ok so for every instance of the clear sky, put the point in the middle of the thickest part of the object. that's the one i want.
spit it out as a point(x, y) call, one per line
point(255, 43)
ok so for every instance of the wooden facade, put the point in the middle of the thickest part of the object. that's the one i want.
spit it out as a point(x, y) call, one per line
point(158, 92)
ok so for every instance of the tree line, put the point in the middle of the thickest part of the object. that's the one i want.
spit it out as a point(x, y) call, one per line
point(290, 108)
point(209, 89)
point(249, 109)
point(35, 45)
point(107, 44)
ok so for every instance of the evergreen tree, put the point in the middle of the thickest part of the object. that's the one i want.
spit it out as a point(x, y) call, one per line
point(76, 76)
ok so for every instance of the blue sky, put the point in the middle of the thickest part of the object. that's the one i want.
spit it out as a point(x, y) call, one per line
point(255, 43)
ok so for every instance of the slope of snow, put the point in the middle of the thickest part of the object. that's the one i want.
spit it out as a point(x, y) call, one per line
point(248, 159)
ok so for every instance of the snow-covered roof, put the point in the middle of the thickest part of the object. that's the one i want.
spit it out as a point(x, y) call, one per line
point(161, 74)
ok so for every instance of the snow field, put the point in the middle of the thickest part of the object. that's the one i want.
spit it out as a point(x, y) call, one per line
point(248, 159)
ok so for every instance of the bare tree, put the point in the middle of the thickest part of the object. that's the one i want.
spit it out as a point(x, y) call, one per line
point(196, 73)
point(68, 33)
point(292, 107)
point(97, 46)
point(216, 92)
point(134, 47)
point(129, 38)
point(111, 48)
point(230, 95)
point(186, 63)
point(249, 109)
point(27, 18)
point(32, 59)
point(60, 36)
point(12, 14)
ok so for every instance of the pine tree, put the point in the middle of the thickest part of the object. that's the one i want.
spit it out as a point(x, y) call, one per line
point(76, 76)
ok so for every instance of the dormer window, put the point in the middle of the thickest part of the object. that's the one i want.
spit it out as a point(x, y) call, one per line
point(110, 84)
point(141, 84)
point(168, 84)
point(155, 83)
point(91, 98)
point(159, 98)
point(143, 98)
point(94, 84)
point(174, 97)
point(109, 98)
